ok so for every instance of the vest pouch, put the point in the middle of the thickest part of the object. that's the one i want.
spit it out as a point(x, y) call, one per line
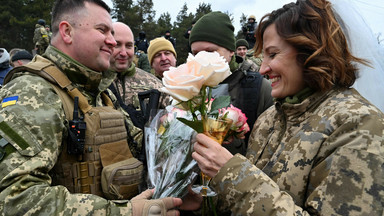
point(121, 180)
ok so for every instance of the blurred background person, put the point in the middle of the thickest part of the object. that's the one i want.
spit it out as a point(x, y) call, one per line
point(5, 67)
point(20, 58)
point(141, 42)
point(141, 60)
point(40, 37)
point(242, 47)
point(249, 31)
point(169, 37)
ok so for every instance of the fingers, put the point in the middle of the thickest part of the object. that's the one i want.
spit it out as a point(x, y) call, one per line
point(171, 202)
point(205, 140)
point(173, 213)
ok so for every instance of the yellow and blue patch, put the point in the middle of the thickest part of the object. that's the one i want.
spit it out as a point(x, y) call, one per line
point(9, 101)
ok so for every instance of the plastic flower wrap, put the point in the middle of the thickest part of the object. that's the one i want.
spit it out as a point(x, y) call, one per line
point(169, 145)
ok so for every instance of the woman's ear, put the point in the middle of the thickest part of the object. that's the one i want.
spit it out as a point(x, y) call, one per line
point(66, 32)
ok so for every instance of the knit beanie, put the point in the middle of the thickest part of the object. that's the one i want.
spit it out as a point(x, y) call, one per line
point(214, 27)
point(22, 54)
point(242, 42)
point(159, 44)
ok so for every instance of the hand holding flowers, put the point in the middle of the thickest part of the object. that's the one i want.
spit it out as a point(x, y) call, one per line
point(190, 85)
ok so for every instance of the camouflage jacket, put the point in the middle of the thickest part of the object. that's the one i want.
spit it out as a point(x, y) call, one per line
point(41, 36)
point(323, 156)
point(33, 129)
point(133, 81)
point(141, 61)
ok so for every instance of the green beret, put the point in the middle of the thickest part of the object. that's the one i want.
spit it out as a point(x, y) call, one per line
point(242, 42)
point(214, 27)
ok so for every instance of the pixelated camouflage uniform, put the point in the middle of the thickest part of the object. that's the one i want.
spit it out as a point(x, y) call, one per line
point(40, 39)
point(141, 61)
point(38, 120)
point(257, 60)
point(323, 156)
point(134, 80)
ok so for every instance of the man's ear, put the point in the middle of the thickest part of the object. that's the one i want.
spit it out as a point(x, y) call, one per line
point(232, 53)
point(66, 31)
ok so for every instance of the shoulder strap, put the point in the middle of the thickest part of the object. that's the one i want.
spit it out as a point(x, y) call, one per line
point(46, 69)
point(136, 116)
point(250, 93)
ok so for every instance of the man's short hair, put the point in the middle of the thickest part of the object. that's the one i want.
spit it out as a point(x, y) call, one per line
point(61, 8)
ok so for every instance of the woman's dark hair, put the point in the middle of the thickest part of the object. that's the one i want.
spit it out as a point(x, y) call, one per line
point(64, 9)
point(310, 26)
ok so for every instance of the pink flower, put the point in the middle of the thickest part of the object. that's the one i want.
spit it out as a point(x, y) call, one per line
point(239, 124)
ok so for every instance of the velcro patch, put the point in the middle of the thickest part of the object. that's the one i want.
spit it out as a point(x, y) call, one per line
point(9, 101)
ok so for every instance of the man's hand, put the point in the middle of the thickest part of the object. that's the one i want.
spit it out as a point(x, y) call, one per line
point(142, 206)
point(191, 201)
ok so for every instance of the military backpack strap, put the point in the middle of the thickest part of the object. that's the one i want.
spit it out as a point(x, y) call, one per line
point(250, 85)
point(136, 117)
point(46, 69)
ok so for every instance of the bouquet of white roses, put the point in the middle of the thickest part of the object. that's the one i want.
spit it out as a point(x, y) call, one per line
point(169, 143)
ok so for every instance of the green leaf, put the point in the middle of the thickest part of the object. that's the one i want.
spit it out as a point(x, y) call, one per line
point(195, 125)
point(221, 102)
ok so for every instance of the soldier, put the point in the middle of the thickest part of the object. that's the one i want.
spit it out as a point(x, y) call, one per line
point(141, 60)
point(242, 51)
point(319, 150)
point(169, 37)
point(41, 37)
point(141, 42)
point(128, 79)
point(242, 48)
point(249, 30)
point(161, 55)
point(39, 149)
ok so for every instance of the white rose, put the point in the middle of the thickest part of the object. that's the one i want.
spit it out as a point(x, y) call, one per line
point(181, 82)
point(214, 67)
point(185, 81)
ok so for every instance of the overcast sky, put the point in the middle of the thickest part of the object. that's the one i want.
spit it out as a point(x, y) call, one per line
point(372, 10)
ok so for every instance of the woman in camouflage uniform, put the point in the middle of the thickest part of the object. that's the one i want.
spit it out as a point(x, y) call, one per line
point(320, 149)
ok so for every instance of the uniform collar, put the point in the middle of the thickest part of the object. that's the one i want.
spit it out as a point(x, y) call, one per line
point(78, 73)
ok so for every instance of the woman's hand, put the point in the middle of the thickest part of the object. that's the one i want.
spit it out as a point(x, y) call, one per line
point(210, 155)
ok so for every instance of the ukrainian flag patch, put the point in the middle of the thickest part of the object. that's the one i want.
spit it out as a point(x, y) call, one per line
point(9, 101)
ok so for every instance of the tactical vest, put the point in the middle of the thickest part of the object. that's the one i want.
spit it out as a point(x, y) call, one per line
point(106, 167)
